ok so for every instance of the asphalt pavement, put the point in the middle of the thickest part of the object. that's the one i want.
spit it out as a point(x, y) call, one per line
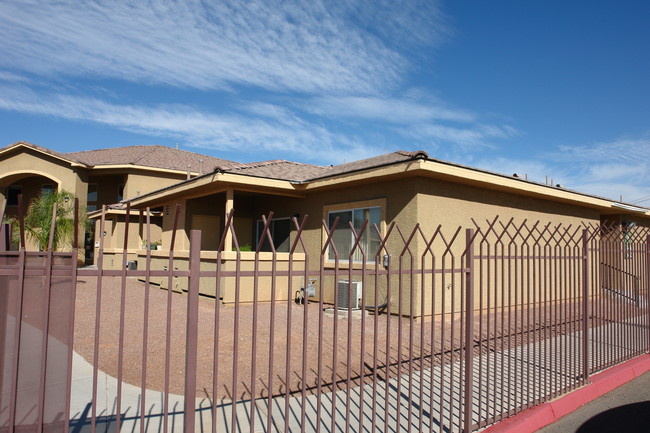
point(625, 409)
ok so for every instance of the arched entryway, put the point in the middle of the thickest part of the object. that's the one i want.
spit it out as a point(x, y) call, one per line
point(30, 185)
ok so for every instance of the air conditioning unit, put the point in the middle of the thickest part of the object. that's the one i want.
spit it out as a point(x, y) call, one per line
point(349, 294)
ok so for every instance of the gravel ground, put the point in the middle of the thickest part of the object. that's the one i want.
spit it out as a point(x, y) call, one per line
point(235, 380)
point(269, 348)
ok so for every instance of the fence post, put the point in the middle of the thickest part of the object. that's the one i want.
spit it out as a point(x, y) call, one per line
point(192, 331)
point(647, 285)
point(4, 305)
point(469, 332)
point(5, 237)
point(585, 305)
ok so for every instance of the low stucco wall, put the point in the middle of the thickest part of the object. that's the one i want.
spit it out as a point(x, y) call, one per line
point(227, 285)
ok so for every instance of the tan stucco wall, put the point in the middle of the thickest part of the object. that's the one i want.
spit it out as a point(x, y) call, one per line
point(429, 202)
point(19, 165)
point(454, 205)
point(107, 188)
point(407, 202)
point(113, 242)
point(139, 182)
point(228, 294)
point(399, 199)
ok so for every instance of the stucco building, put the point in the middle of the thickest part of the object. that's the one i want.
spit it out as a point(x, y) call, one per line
point(96, 177)
point(405, 189)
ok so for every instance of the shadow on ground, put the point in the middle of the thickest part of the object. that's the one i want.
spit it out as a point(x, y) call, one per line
point(630, 418)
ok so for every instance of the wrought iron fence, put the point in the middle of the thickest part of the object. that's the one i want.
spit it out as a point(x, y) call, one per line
point(446, 331)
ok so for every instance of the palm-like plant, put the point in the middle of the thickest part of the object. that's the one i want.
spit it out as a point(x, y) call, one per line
point(39, 219)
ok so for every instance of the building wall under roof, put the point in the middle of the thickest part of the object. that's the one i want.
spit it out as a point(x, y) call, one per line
point(139, 182)
point(455, 204)
point(406, 200)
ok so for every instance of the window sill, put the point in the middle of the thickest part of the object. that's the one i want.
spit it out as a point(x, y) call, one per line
point(330, 264)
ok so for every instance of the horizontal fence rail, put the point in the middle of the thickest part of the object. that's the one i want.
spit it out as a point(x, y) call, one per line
point(446, 330)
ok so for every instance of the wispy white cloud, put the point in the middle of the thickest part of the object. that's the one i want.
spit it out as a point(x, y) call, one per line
point(394, 110)
point(416, 117)
point(332, 65)
point(296, 46)
point(278, 132)
point(534, 170)
point(626, 149)
point(414, 24)
point(12, 77)
point(464, 137)
point(612, 168)
point(607, 169)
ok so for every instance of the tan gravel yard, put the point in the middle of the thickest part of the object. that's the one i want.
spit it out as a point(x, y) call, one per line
point(156, 342)
point(273, 334)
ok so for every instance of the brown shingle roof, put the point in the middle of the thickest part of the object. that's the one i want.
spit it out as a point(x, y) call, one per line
point(40, 149)
point(299, 172)
point(152, 156)
point(280, 169)
point(163, 157)
point(374, 162)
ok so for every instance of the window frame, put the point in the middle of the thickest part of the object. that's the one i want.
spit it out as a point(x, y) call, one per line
point(47, 188)
point(271, 229)
point(96, 185)
point(120, 192)
point(92, 205)
point(352, 206)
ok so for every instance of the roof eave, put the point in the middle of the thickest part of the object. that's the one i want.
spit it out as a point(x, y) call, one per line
point(470, 175)
point(141, 167)
point(24, 145)
point(222, 181)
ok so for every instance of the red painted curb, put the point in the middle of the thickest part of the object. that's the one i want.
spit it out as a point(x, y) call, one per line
point(535, 418)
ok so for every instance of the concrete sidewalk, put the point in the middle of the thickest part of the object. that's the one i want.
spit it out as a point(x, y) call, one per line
point(429, 399)
point(503, 382)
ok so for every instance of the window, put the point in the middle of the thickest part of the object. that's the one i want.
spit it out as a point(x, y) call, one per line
point(91, 198)
point(92, 193)
point(280, 230)
point(12, 194)
point(344, 238)
point(46, 188)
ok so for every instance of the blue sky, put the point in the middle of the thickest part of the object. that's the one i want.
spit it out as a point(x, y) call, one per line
point(554, 88)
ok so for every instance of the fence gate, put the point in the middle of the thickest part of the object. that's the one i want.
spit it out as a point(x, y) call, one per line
point(37, 292)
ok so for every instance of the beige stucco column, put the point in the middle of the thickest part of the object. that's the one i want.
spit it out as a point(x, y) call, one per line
point(230, 204)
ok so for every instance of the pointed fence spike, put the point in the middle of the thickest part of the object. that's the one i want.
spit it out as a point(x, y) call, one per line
point(298, 236)
point(330, 234)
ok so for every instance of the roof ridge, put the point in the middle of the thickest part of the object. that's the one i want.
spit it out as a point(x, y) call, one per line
point(275, 162)
point(45, 150)
point(112, 148)
point(412, 153)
